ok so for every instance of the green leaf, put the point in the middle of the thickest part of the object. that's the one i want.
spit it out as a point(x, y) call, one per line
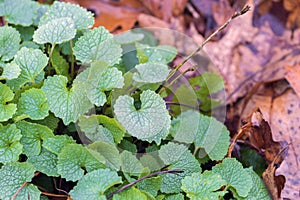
point(151, 72)
point(94, 184)
point(50, 121)
point(7, 109)
point(171, 152)
point(208, 83)
point(10, 71)
point(20, 12)
point(128, 37)
point(57, 143)
point(30, 191)
point(98, 45)
point(132, 194)
point(109, 152)
point(74, 159)
point(115, 128)
point(82, 18)
point(130, 164)
point(59, 64)
point(67, 104)
point(9, 42)
point(93, 131)
point(203, 186)
point(174, 197)
point(159, 54)
point(13, 176)
point(235, 175)
point(45, 162)
point(10, 146)
point(204, 86)
point(150, 123)
point(102, 78)
point(33, 104)
point(152, 161)
point(32, 62)
point(150, 185)
point(171, 183)
point(55, 31)
point(258, 190)
point(207, 133)
point(32, 136)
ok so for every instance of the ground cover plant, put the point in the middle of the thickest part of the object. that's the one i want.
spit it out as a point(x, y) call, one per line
point(56, 70)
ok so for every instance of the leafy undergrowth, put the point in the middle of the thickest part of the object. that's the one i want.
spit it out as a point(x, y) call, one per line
point(134, 146)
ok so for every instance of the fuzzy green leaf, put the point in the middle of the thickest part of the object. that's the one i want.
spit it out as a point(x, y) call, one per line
point(151, 72)
point(171, 183)
point(32, 62)
point(235, 175)
point(10, 71)
point(67, 104)
point(12, 176)
point(55, 31)
point(20, 12)
point(258, 190)
point(93, 131)
point(150, 123)
point(128, 37)
point(94, 184)
point(112, 124)
point(102, 78)
point(9, 42)
point(74, 158)
point(32, 136)
point(45, 162)
point(171, 152)
point(109, 152)
point(10, 146)
point(60, 65)
point(175, 197)
point(150, 185)
point(132, 194)
point(206, 132)
point(203, 186)
point(7, 109)
point(130, 164)
point(30, 191)
point(159, 54)
point(82, 18)
point(98, 45)
point(57, 143)
point(33, 104)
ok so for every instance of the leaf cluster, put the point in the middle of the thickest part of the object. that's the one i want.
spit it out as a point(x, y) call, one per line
point(55, 69)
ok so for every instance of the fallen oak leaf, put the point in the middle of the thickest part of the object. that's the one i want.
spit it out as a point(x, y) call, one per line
point(257, 131)
point(274, 183)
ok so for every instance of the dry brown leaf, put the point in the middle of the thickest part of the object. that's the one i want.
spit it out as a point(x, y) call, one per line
point(121, 15)
point(293, 76)
point(160, 9)
point(247, 55)
point(285, 126)
point(274, 183)
point(281, 109)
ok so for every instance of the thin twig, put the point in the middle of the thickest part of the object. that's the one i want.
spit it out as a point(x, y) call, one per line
point(143, 178)
point(235, 15)
point(19, 190)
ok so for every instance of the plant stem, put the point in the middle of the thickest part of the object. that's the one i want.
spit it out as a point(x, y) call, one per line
point(72, 61)
point(50, 57)
point(143, 178)
point(19, 190)
point(235, 15)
